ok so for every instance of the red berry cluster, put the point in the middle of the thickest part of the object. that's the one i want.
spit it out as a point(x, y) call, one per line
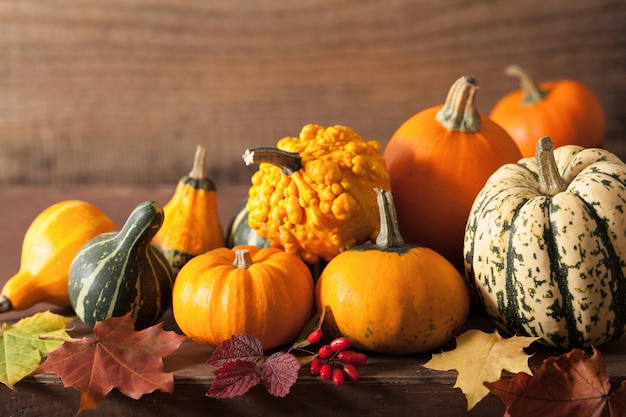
point(334, 360)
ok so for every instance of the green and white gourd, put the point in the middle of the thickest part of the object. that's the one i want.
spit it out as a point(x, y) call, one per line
point(545, 246)
point(120, 272)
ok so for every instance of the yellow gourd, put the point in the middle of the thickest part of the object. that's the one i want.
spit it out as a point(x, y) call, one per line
point(50, 244)
point(192, 225)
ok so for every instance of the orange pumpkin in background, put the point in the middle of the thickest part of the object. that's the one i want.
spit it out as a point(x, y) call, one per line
point(566, 110)
point(438, 161)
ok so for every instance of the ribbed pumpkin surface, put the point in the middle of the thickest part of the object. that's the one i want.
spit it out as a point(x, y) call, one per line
point(553, 266)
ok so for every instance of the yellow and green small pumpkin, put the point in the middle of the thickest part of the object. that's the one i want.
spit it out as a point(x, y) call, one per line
point(392, 297)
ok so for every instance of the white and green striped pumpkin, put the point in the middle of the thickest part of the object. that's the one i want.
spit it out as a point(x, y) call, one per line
point(122, 272)
point(545, 246)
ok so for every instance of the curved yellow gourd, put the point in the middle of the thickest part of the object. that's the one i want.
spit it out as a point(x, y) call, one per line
point(49, 246)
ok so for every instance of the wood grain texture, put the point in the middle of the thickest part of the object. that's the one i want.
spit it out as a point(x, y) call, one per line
point(121, 91)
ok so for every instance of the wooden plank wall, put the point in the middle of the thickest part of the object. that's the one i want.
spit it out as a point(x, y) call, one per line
point(121, 91)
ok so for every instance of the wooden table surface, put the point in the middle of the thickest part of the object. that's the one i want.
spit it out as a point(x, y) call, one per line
point(390, 385)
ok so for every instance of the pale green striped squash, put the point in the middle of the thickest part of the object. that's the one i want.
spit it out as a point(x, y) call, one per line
point(548, 258)
point(120, 272)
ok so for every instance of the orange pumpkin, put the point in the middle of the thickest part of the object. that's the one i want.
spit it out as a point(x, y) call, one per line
point(266, 293)
point(438, 161)
point(566, 110)
point(392, 297)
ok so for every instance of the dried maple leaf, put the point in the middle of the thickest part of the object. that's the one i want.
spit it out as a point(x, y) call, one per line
point(481, 357)
point(22, 349)
point(567, 385)
point(118, 357)
point(241, 364)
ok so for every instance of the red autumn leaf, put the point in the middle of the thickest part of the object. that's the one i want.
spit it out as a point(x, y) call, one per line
point(118, 357)
point(280, 373)
point(567, 385)
point(241, 364)
point(234, 378)
point(240, 347)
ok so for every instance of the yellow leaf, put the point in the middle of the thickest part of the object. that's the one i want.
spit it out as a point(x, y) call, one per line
point(21, 348)
point(481, 357)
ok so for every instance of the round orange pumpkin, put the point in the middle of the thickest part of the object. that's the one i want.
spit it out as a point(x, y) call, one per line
point(391, 297)
point(266, 293)
point(566, 110)
point(438, 161)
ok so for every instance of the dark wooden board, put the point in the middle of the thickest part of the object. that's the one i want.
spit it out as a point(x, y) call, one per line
point(390, 385)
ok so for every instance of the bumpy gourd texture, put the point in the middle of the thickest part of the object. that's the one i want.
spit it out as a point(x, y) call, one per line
point(327, 206)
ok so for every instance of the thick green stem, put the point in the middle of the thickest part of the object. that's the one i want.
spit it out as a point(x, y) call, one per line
point(389, 233)
point(243, 260)
point(288, 162)
point(459, 113)
point(531, 90)
point(550, 181)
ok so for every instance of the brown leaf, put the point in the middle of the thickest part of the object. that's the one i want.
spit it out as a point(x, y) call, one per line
point(118, 357)
point(567, 385)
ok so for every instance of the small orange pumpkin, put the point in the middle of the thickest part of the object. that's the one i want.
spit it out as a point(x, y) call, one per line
point(438, 161)
point(266, 293)
point(391, 297)
point(566, 110)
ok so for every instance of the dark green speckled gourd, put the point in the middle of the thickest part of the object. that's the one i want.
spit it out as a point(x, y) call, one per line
point(119, 272)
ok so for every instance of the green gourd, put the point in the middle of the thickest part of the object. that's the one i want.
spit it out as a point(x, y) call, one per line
point(120, 272)
point(240, 233)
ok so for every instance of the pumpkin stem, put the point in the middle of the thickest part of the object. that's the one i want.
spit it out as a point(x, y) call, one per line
point(459, 113)
point(243, 260)
point(389, 233)
point(197, 177)
point(288, 162)
point(531, 90)
point(5, 304)
point(550, 181)
point(198, 170)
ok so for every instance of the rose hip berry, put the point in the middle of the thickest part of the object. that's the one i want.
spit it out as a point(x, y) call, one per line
point(352, 357)
point(325, 372)
point(325, 351)
point(316, 365)
point(337, 376)
point(339, 344)
point(314, 336)
point(351, 371)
